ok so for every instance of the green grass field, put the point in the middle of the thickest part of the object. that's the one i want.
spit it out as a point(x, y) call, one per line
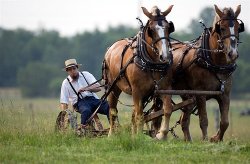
point(27, 136)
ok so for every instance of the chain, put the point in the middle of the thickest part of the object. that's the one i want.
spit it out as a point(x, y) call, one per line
point(121, 101)
point(172, 129)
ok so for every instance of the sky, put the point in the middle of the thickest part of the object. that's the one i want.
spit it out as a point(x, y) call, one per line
point(70, 17)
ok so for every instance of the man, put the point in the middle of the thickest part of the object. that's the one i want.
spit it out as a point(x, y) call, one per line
point(76, 89)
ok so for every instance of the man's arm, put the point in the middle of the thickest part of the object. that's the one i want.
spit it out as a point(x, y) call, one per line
point(64, 96)
point(92, 88)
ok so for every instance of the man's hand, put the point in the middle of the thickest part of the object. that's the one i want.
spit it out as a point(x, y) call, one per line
point(83, 89)
point(64, 106)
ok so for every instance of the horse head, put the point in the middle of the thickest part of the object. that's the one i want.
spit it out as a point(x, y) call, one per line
point(226, 29)
point(157, 33)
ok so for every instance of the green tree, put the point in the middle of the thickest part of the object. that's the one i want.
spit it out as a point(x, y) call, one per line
point(207, 16)
point(34, 79)
point(241, 78)
point(12, 44)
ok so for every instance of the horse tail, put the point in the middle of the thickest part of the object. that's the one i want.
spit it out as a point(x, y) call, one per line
point(104, 74)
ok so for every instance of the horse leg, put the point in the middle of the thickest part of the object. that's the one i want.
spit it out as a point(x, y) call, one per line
point(156, 123)
point(224, 122)
point(185, 119)
point(167, 109)
point(133, 121)
point(185, 122)
point(201, 105)
point(138, 123)
point(113, 112)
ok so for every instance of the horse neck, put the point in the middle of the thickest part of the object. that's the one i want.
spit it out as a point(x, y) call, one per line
point(218, 58)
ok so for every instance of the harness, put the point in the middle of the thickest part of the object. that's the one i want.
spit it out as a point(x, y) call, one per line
point(142, 58)
point(203, 59)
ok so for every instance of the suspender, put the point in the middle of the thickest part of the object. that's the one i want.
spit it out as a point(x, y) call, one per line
point(85, 78)
point(74, 88)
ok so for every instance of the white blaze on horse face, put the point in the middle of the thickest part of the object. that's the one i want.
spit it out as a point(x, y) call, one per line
point(233, 44)
point(232, 33)
point(164, 48)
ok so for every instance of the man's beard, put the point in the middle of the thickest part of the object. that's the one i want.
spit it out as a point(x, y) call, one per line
point(75, 77)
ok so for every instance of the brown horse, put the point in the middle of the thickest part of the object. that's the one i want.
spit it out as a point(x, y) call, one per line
point(139, 65)
point(209, 66)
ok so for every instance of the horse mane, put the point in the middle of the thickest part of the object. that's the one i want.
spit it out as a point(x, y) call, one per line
point(155, 11)
point(227, 12)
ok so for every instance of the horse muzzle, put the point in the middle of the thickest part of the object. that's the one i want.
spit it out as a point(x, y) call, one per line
point(167, 58)
point(233, 55)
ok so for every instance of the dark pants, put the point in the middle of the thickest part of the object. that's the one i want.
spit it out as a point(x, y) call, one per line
point(87, 106)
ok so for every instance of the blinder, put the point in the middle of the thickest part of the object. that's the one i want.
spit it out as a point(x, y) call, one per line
point(217, 28)
point(171, 27)
point(241, 27)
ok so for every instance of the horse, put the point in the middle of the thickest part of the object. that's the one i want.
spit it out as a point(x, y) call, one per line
point(208, 64)
point(137, 66)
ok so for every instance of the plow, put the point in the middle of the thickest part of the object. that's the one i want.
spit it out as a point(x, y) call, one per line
point(68, 119)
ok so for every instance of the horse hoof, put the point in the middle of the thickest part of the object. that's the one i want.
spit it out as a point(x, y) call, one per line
point(160, 136)
point(205, 138)
point(110, 133)
point(214, 139)
point(188, 139)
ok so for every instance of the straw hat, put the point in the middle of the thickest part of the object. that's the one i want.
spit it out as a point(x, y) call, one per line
point(71, 63)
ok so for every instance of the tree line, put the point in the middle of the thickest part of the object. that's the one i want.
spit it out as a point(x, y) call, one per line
point(33, 61)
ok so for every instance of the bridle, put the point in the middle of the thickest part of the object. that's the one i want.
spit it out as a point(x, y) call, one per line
point(142, 58)
point(231, 24)
point(159, 19)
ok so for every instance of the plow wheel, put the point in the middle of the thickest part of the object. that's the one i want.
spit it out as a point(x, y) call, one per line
point(67, 120)
point(62, 121)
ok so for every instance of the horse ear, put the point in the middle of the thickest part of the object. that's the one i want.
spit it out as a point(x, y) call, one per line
point(148, 14)
point(165, 13)
point(217, 10)
point(237, 12)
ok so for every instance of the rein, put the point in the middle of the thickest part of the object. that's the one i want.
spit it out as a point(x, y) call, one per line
point(241, 29)
point(191, 44)
point(104, 97)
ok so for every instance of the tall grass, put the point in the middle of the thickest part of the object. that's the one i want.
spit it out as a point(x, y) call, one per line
point(27, 136)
